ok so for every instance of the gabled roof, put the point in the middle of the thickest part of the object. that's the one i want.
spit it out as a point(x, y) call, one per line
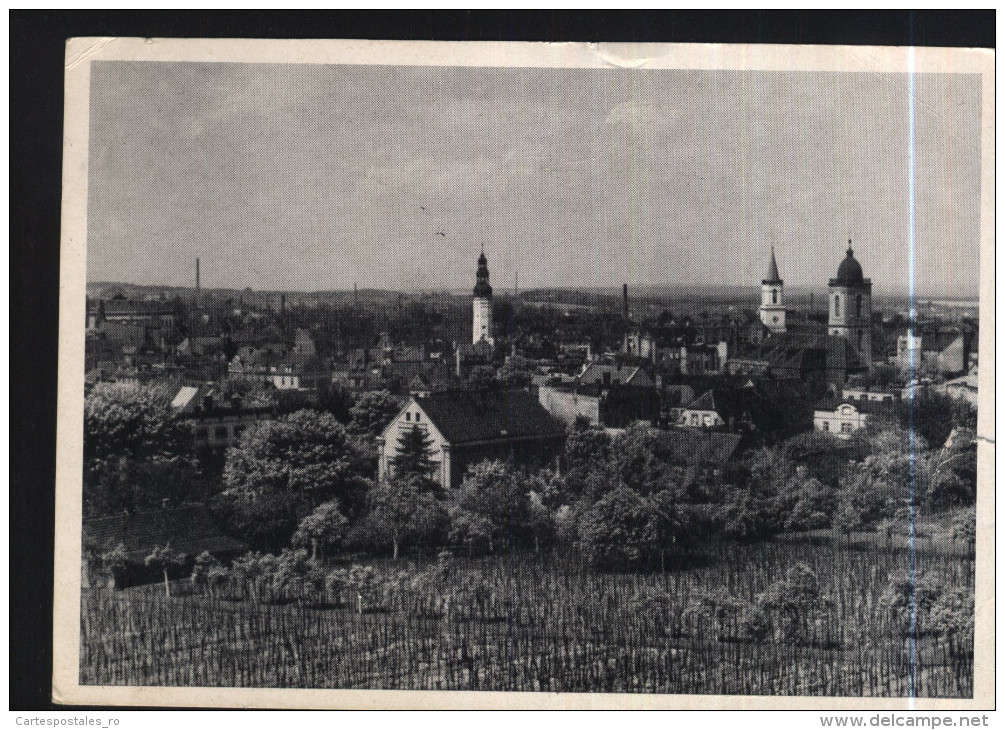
point(189, 529)
point(593, 374)
point(704, 402)
point(488, 415)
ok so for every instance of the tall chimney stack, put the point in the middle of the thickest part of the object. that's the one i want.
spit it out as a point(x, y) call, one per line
point(624, 297)
point(197, 283)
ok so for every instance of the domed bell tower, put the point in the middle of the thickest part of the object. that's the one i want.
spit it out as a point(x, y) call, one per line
point(482, 304)
point(772, 298)
point(849, 299)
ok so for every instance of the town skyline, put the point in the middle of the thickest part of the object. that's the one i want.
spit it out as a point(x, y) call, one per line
point(669, 177)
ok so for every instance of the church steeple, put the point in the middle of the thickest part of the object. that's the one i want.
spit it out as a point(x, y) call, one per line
point(772, 309)
point(772, 277)
point(482, 303)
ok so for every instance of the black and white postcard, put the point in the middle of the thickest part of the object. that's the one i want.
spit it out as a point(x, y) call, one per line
point(401, 374)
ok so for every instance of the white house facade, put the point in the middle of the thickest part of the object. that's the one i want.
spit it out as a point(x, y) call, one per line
point(842, 421)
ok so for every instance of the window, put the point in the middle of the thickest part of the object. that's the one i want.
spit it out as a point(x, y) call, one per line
point(408, 415)
point(418, 417)
point(826, 425)
point(837, 305)
point(221, 432)
point(774, 296)
point(860, 335)
point(202, 434)
point(845, 428)
point(858, 306)
point(238, 430)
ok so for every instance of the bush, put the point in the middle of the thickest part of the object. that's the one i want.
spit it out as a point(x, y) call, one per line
point(794, 606)
point(620, 531)
point(208, 573)
point(964, 528)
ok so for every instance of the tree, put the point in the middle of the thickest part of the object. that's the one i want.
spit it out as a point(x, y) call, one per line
point(794, 604)
point(165, 558)
point(336, 400)
point(115, 561)
point(405, 510)
point(363, 581)
point(823, 455)
point(482, 377)
point(132, 422)
point(934, 415)
point(910, 600)
point(587, 464)
point(813, 503)
point(621, 530)
point(282, 470)
point(515, 372)
point(752, 502)
point(964, 528)
point(371, 413)
point(136, 454)
point(322, 530)
point(208, 572)
point(490, 508)
point(880, 486)
point(414, 453)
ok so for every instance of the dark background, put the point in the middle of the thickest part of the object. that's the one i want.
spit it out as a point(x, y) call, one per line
point(36, 114)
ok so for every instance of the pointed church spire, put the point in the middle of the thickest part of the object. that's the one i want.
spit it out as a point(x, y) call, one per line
point(772, 276)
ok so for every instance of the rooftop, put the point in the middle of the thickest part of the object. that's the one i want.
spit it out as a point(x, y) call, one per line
point(488, 415)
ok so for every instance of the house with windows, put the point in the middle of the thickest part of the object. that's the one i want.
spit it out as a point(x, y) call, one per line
point(217, 423)
point(702, 412)
point(469, 426)
point(841, 419)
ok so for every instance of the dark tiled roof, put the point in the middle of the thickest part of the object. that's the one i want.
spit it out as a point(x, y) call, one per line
point(470, 416)
point(791, 350)
point(189, 529)
point(624, 374)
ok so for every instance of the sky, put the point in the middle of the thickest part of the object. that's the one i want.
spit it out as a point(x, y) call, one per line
point(316, 177)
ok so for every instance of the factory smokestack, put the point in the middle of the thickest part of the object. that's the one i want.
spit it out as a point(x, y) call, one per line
point(198, 290)
point(624, 298)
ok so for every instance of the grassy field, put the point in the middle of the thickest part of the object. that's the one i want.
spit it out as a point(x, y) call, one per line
point(543, 623)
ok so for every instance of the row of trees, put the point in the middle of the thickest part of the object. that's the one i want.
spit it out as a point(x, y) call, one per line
point(622, 500)
point(307, 480)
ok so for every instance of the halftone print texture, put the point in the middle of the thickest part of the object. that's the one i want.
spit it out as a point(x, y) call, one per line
point(701, 420)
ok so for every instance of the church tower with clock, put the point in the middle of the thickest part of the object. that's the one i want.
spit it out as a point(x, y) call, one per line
point(482, 304)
